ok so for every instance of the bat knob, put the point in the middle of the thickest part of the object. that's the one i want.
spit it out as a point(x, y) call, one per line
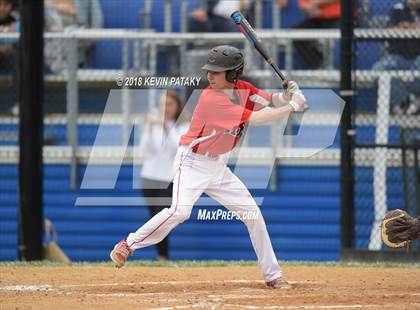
point(236, 17)
point(285, 84)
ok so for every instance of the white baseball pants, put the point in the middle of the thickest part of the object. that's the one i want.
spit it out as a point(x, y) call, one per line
point(197, 174)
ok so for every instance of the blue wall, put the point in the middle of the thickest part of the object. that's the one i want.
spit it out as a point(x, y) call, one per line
point(302, 215)
point(302, 218)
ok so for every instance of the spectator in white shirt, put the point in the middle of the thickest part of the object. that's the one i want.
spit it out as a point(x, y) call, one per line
point(159, 143)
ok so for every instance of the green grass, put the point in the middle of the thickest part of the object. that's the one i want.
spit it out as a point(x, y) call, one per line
point(207, 263)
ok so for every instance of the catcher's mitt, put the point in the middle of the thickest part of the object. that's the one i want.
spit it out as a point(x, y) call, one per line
point(398, 229)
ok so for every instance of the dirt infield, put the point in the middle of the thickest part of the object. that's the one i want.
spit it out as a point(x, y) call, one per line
point(231, 287)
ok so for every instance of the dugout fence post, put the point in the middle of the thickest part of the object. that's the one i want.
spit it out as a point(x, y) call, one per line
point(31, 93)
point(168, 16)
point(276, 15)
point(404, 170)
point(72, 107)
point(125, 95)
point(346, 131)
point(417, 175)
point(257, 14)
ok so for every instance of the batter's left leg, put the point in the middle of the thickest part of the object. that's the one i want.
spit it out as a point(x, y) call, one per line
point(232, 193)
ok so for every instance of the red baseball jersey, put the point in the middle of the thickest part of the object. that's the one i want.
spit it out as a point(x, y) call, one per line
point(218, 121)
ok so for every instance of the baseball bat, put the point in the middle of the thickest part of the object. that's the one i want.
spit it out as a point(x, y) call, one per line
point(243, 25)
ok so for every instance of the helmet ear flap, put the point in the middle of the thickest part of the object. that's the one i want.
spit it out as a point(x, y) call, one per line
point(240, 70)
point(233, 75)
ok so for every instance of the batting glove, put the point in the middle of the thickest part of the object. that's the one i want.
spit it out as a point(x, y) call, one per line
point(298, 102)
point(292, 88)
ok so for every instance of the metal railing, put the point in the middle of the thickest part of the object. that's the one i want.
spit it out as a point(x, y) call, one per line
point(151, 41)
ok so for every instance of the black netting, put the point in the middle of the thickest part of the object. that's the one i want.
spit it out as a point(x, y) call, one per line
point(387, 114)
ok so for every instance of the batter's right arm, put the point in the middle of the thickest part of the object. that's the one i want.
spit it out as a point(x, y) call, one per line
point(269, 115)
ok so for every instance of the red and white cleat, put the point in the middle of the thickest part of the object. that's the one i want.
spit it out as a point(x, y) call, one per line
point(278, 283)
point(120, 253)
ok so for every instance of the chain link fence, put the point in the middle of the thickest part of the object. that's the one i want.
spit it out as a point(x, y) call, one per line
point(387, 116)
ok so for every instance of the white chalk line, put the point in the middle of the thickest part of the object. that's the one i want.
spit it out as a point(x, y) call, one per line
point(204, 305)
point(125, 294)
point(238, 281)
point(181, 283)
point(209, 294)
point(240, 306)
point(27, 288)
point(161, 283)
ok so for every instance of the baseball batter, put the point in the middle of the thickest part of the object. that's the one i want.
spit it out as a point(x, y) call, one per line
point(223, 109)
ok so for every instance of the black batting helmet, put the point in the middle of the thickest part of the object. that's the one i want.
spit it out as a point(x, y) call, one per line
point(225, 58)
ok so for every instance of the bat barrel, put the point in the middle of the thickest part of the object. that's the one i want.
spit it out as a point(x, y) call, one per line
point(243, 26)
